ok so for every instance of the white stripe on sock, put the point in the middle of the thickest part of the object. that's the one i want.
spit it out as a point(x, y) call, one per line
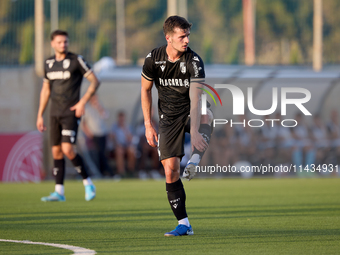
point(59, 188)
point(184, 221)
point(87, 181)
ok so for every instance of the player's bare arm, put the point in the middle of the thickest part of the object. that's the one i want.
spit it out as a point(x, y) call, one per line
point(146, 99)
point(44, 97)
point(79, 108)
point(197, 140)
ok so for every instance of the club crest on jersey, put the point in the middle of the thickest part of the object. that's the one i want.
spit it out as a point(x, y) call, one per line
point(66, 63)
point(162, 67)
point(50, 63)
point(183, 67)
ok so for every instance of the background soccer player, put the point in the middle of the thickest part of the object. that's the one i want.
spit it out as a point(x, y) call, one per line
point(177, 72)
point(63, 76)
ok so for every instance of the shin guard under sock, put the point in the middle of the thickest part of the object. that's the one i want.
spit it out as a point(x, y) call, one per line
point(176, 197)
point(79, 166)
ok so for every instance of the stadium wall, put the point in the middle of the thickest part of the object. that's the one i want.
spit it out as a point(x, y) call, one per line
point(19, 99)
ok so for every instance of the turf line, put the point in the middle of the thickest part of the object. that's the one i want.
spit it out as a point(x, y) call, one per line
point(77, 250)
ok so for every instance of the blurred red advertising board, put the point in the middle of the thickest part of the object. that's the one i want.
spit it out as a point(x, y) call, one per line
point(21, 157)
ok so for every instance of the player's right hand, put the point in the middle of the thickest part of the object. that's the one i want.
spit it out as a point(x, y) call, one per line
point(197, 141)
point(151, 136)
point(40, 124)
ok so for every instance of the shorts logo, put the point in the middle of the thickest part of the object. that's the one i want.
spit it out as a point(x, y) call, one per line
point(183, 67)
point(162, 67)
point(66, 132)
point(159, 137)
point(66, 63)
point(72, 139)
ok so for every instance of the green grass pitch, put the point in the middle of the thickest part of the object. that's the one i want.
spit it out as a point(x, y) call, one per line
point(229, 216)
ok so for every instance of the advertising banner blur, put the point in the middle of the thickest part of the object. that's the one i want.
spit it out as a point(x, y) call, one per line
point(21, 157)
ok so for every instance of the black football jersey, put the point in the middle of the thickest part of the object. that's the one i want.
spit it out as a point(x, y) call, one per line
point(65, 79)
point(172, 80)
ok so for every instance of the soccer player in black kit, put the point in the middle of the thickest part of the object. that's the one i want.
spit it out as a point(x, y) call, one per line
point(64, 73)
point(177, 72)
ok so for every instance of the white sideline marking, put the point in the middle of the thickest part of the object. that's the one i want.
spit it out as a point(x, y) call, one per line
point(75, 249)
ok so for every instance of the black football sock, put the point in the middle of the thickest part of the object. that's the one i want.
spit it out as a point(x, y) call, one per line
point(59, 171)
point(79, 166)
point(176, 197)
point(205, 131)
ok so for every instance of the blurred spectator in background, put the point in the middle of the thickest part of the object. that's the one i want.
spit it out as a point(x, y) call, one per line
point(94, 127)
point(303, 151)
point(148, 164)
point(224, 149)
point(334, 133)
point(245, 140)
point(285, 141)
point(121, 137)
point(320, 138)
point(268, 141)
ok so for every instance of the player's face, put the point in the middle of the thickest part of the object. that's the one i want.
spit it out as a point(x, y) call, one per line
point(60, 44)
point(179, 39)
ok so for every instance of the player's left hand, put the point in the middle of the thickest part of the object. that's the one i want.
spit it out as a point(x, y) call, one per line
point(151, 135)
point(198, 142)
point(79, 109)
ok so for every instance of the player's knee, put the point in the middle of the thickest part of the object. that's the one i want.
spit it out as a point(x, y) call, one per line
point(70, 154)
point(69, 151)
point(172, 173)
point(57, 152)
point(171, 169)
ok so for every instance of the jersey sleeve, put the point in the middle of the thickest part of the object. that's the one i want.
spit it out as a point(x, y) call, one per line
point(148, 68)
point(45, 75)
point(84, 67)
point(196, 69)
point(46, 79)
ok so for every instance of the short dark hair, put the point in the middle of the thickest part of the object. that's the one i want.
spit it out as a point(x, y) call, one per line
point(175, 21)
point(58, 32)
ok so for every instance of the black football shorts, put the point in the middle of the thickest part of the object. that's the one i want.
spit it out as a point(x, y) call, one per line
point(64, 129)
point(171, 138)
